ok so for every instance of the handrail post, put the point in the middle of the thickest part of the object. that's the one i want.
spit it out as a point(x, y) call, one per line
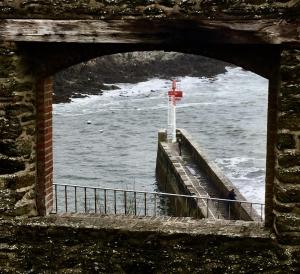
point(75, 197)
point(187, 207)
point(125, 202)
point(234, 208)
point(85, 200)
point(154, 205)
point(95, 199)
point(66, 199)
point(145, 203)
point(206, 207)
point(115, 201)
point(105, 202)
point(134, 194)
point(56, 207)
point(197, 211)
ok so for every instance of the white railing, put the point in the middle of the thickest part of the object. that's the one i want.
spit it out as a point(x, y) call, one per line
point(100, 200)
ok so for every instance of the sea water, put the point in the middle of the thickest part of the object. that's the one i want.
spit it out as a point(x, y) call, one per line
point(111, 140)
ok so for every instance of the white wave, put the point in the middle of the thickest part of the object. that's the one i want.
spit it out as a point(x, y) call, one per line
point(247, 173)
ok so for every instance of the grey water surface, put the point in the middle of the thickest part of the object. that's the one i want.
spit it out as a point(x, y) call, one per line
point(226, 115)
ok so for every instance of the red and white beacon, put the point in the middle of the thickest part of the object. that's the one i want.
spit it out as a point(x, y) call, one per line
point(173, 95)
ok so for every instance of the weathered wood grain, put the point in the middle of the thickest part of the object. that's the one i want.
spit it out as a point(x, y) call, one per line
point(151, 31)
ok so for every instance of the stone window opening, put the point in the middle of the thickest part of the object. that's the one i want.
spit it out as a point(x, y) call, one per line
point(45, 155)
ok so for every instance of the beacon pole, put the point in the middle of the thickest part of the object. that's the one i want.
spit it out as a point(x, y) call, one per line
point(173, 96)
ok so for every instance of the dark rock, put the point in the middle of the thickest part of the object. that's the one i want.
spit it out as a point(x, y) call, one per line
point(289, 159)
point(28, 117)
point(7, 202)
point(6, 66)
point(10, 128)
point(79, 95)
point(286, 194)
point(288, 222)
point(17, 109)
point(289, 121)
point(20, 180)
point(290, 104)
point(285, 141)
point(15, 148)
point(89, 78)
point(289, 175)
point(9, 166)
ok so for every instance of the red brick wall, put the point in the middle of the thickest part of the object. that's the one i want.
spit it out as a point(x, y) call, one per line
point(44, 146)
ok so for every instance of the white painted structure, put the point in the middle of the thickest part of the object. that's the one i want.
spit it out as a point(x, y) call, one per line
point(173, 96)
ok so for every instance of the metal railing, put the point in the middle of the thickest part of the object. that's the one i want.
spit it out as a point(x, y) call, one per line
point(99, 200)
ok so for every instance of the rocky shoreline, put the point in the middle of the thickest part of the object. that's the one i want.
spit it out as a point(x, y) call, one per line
point(98, 75)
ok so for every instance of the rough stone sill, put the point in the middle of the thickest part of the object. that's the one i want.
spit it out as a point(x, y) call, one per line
point(165, 225)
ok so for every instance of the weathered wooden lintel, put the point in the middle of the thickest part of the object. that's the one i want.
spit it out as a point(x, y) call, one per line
point(151, 31)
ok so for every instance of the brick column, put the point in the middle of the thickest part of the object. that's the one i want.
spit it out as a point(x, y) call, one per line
point(44, 146)
point(286, 199)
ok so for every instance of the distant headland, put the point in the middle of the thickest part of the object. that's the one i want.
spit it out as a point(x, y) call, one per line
point(100, 74)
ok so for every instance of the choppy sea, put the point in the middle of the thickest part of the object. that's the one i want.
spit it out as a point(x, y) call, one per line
point(226, 115)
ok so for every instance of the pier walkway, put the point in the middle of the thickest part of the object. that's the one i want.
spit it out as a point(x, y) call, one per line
point(192, 173)
point(198, 183)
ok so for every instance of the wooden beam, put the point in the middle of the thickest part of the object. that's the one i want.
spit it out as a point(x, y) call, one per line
point(151, 31)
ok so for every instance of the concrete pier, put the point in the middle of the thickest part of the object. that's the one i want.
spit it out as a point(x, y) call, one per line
point(192, 173)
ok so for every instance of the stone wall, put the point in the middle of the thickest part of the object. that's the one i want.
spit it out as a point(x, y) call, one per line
point(17, 135)
point(286, 198)
point(137, 245)
point(107, 9)
point(113, 245)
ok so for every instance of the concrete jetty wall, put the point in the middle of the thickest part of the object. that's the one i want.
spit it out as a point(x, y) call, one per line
point(171, 176)
point(216, 177)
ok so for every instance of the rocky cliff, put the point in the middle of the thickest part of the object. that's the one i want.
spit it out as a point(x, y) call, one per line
point(97, 75)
